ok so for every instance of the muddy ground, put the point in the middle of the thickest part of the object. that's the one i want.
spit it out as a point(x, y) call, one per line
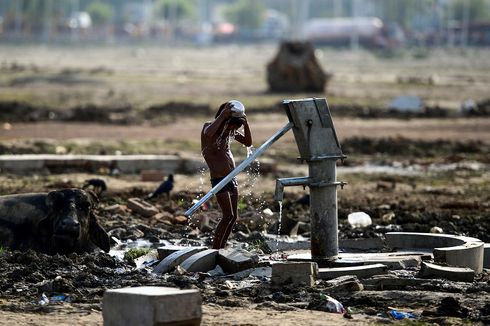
point(408, 172)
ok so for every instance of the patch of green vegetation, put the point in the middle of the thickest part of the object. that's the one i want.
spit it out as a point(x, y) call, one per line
point(259, 245)
point(242, 204)
point(1, 250)
point(134, 253)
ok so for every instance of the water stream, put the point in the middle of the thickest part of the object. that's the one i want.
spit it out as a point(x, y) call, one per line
point(279, 225)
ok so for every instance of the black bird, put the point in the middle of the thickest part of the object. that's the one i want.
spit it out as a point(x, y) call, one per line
point(97, 185)
point(164, 188)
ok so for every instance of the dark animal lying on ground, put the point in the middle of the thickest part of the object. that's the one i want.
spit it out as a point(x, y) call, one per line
point(97, 185)
point(164, 188)
point(61, 221)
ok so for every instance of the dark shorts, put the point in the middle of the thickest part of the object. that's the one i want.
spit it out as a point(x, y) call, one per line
point(229, 187)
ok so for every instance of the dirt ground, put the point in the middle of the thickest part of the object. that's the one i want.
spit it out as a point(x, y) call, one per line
point(407, 173)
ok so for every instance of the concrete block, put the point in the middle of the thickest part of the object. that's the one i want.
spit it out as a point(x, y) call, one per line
point(142, 207)
point(295, 273)
point(486, 255)
point(359, 271)
point(201, 262)
point(176, 258)
point(236, 260)
point(461, 274)
point(151, 305)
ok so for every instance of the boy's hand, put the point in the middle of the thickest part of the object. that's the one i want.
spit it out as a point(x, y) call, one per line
point(227, 112)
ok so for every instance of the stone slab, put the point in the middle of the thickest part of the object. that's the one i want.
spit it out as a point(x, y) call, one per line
point(142, 207)
point(391, 282)
point(359, 271)
point(296, 273)
point(287, 243)
point(460, 274)
point(202, 261)
point(235, 260)
point(486, 255)
point(151, 305)
point(393, 260)
point(176, 258)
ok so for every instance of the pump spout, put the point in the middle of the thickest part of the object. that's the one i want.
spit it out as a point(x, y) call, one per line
point(285, 182)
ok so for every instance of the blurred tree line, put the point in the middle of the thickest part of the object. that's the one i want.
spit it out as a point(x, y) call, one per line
point(248, 14)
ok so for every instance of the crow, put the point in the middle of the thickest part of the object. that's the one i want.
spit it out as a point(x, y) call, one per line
point(98, 185)
point(164, 188)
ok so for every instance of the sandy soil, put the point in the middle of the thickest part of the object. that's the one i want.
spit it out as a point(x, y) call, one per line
point(212, 315)
point(262, 128)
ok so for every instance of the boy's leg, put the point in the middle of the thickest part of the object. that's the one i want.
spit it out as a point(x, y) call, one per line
point(231, 222)
point(227, 211)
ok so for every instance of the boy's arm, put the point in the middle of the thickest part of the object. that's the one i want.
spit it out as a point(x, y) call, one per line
point(246, 138)
point(211, 129)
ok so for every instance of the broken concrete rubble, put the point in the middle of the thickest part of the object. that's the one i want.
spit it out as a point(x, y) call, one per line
point(295, 273)
point(176, 258)
point(235, 260)
point(359, 271)
point(201, 262)
point(462, 274)
point(142, 207)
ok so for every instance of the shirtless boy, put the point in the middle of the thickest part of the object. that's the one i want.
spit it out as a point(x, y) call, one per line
point(215, 148)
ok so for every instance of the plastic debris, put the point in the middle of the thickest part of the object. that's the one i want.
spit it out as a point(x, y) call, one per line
point(333, 305)
point(44, 300)
point(59, 298)
point(398, 315)
point(436, 229)
point(268, 212)
point(359, 219)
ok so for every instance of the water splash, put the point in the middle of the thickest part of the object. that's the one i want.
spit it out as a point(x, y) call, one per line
point(279, 225)
point(258, 203)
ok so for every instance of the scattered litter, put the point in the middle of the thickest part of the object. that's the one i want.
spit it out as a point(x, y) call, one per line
point(359, 220)
point(333, 305)
point(436, 229)
point(398, 315)
point(59, 298)
point(268, 212)
point(44, 300)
